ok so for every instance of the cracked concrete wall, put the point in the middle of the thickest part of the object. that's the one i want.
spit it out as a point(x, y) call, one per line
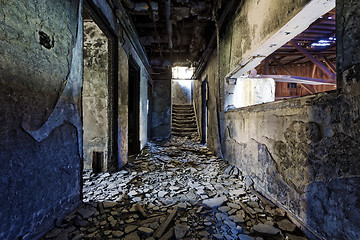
point(253, 23)
point(95, 97)
point(161, 110)
point(40, 79)
point(303, 154)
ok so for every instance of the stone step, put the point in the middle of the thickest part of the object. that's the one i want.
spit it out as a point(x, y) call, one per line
point(184, 120)
point(183, 112)
point(184, 126)
point(184, 129)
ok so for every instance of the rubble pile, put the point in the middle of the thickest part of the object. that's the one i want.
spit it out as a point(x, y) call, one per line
point(176, 190)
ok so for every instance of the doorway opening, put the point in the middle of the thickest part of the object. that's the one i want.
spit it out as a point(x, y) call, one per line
point(99, 98)
point(182, 85)
point(204, 98)
point(134, 108)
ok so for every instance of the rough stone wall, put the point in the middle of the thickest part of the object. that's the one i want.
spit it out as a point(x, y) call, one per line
point(40, 82)
point(95, 94)
point(180, 94)
point(161, 115)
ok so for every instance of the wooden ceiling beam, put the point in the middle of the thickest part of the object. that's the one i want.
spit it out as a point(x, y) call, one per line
point(289, 73)
point(313, 59)
point(330, 65)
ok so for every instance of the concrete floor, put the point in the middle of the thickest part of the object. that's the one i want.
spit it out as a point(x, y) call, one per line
point(174, 190)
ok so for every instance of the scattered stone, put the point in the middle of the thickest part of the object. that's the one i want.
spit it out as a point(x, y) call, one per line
point(204, 233)
point(286, 225)
point(266, 229)
point(180, 231)
point(237, 219)
point(85, 213)
point(132, 236)
point(224, 209)
point(245, 237)
point(162, 194)
point(109, 204)
point(214, 202)
point(294, 237)
point(145, 231)
point(118, 233)
point(130, 228)
point(233, 205)
point(141, 201)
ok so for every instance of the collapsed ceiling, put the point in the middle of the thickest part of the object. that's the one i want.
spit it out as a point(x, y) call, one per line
point(174, 32)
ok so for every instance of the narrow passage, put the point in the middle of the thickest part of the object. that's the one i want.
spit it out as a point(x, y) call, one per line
point(174, 190)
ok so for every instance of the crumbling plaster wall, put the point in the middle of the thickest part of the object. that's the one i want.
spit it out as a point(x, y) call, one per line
point(161, 110)
point(125, 49)
point(302, 153)
point(40, 79)
point(123, 107)
point(253, 23)
point(95, 94)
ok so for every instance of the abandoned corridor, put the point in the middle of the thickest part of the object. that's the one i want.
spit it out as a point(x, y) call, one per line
point(174, 190)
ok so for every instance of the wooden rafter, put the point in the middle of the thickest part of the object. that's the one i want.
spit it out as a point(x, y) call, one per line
point(313, 59)
point(289, 73)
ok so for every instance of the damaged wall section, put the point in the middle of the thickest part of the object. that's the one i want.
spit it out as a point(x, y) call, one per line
point(95, 96)
point(161, 110)
point(302, 153)
point(299, 151)
point(39, 43)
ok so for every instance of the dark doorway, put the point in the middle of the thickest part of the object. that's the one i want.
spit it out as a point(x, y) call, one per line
point(134, 107)
point(203, 110)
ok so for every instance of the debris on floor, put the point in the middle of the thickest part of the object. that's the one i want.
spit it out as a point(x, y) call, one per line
point(174, 190)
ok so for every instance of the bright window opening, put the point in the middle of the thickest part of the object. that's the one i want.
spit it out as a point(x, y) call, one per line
point(182, 85)
point(182, 73)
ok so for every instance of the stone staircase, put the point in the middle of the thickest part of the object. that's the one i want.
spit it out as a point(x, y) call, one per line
point(183, 121)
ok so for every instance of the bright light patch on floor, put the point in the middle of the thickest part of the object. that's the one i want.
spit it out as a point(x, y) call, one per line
point(182, 73)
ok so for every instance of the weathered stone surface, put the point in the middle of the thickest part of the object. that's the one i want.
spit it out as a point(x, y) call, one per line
point(245, 237)
point(214, 202)
point(132, 236)
point(180, 231)
point(130, 228)
point(145, 231)
point(85, 213)
point(266, 229)
point(286, 225)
